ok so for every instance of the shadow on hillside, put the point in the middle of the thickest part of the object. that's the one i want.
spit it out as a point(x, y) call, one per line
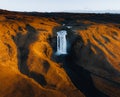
point(23, 42)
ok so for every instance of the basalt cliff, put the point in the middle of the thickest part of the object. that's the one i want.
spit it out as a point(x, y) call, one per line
point(29, 66)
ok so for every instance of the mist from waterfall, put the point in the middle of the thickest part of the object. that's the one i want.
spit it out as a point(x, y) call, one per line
point(61, 42)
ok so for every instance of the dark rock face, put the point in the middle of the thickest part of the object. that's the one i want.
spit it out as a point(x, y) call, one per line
point(95, 56)
point(28, 61)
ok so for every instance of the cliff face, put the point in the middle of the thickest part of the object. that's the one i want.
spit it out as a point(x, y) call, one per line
point(98, 52)
point(30, 68)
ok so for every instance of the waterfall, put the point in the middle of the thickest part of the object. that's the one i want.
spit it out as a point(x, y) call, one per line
point(61, 42)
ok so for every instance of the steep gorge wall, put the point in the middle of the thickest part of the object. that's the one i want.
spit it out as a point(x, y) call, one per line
point(97, 50)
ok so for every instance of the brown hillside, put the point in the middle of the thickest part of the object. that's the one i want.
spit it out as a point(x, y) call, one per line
point(26, 66)
point(29, 65)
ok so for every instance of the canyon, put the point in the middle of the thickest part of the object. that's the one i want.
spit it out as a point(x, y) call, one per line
point(29, 66)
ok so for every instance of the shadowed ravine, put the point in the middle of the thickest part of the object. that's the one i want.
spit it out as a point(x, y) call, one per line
point(80, 77)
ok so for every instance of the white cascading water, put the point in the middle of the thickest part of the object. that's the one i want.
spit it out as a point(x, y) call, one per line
point(61, 42)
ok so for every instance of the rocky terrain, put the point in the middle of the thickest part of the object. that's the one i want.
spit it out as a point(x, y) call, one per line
point(29, 66)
